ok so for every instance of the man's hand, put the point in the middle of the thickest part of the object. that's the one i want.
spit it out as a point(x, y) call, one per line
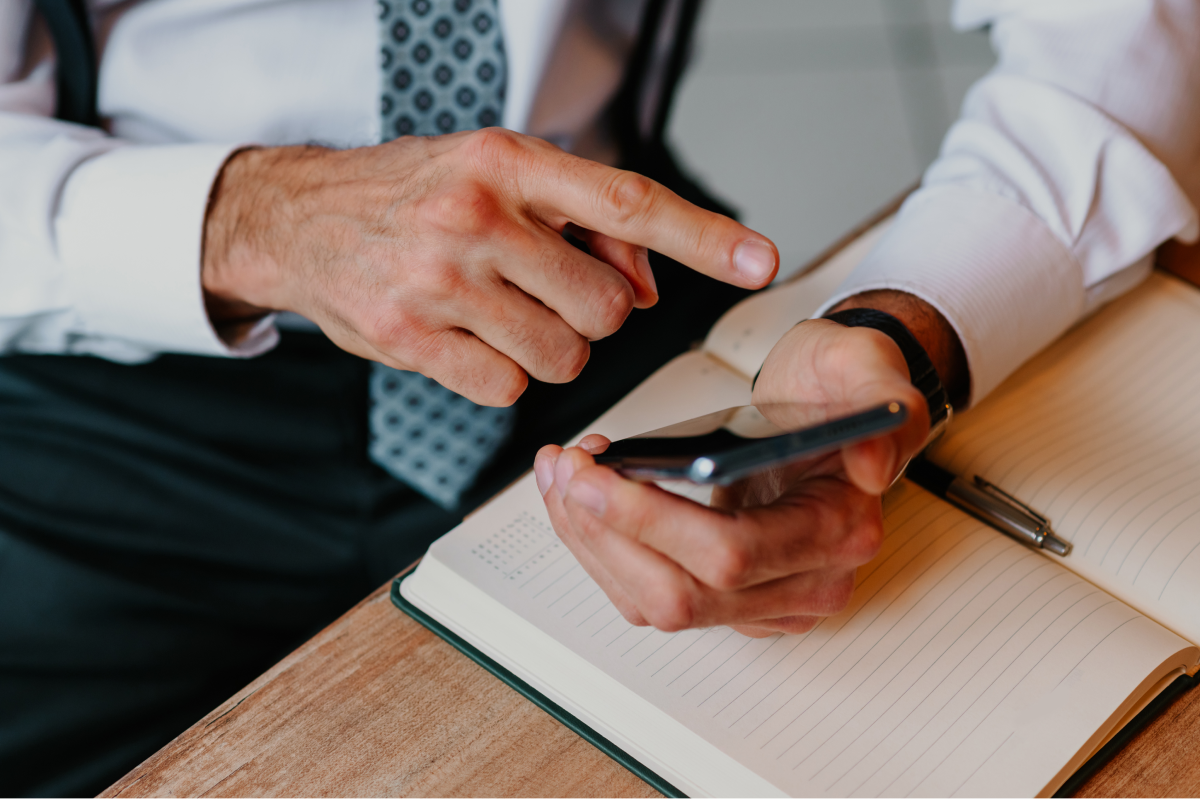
point(445, 255)
point(777, 552)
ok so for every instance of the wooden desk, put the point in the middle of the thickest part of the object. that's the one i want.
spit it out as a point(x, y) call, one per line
point(376, 705)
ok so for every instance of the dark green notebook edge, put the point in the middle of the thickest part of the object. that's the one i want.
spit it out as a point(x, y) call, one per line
point(1180, 686)
point(533, 695)
point(1149, 713)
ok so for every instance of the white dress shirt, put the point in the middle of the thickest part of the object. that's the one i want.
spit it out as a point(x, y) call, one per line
point(1073, 159)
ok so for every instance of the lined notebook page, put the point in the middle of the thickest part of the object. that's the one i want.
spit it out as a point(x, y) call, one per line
point(1101, 433)
point(965, 664)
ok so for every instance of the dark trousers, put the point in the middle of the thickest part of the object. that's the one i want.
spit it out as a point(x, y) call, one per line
point(170, 530)
point(167, 532)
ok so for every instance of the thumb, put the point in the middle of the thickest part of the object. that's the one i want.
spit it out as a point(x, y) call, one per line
point(872, 465)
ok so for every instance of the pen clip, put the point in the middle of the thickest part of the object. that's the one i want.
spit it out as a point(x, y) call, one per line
point(1001, 494)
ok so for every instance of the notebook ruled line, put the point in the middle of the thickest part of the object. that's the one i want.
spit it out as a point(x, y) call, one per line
point(1010, 691)
point(984, 540)
point(1020, 558)
point(883, 610)
point(864, 605)
point(900, 697)
point(567, 593)
point(965, 683)
point(731, 656)
point(1175, 571)
point(716, 646)
point(886, 789)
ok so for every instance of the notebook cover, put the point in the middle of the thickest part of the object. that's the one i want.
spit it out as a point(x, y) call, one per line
point(533, 695)
point(1073, 783)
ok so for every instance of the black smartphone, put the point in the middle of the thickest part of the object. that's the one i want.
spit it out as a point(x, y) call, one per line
point(722, 447)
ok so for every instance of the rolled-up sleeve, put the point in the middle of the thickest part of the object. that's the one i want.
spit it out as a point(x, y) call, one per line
point(1073, 159)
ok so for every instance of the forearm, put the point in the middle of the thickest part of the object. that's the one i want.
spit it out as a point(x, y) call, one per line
point(235, 263)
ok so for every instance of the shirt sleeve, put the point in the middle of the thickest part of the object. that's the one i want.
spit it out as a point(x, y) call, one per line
point(1072, 160)
point(100, 239)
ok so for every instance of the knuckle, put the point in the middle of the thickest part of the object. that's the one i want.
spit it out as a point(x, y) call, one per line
point(571, 359)
point(437, 279)
point(729, 566)
point(612, 306)
point(626, 197)
point(467, 209)
point(862, 543)
point(456, 356)
point(491, 148)
point(554, 355)
point(669, 610)
point(601, 303)
point(834, 595)
point(499, 387)
point(709, 239)
point(397, 334)
point(844, 534)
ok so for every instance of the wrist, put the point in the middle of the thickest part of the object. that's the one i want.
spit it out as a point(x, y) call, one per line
point(240, 269)
point(931, 330)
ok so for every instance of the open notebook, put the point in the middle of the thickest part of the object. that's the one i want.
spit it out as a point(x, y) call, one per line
point(966, 664)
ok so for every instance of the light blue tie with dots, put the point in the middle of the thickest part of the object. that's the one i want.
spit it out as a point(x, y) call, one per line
point(443, 71)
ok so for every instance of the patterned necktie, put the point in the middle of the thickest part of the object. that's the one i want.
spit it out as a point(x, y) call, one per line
point(443, 71)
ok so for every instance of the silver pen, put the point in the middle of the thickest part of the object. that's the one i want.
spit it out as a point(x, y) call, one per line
point(989, 503)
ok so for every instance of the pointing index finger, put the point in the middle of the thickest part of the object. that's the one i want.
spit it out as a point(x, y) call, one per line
point(635, 209)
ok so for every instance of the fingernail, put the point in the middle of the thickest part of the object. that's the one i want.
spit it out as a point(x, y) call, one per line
point(593, 444)
point(588, 496)
point(543, 472)
point(755, 261)
point(643, 265)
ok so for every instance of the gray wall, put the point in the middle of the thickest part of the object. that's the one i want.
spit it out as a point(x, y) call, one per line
point(808, 115)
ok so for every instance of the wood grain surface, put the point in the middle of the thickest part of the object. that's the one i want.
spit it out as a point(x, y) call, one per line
point(376, 705)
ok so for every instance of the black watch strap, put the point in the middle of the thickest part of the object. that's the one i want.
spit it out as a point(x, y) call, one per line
point(921, 369)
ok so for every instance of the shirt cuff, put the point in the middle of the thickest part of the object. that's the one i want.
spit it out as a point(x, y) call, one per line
point(1005, 283)
point(130, 229)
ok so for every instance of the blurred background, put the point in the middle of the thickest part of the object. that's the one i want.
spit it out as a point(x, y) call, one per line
point(808, 115)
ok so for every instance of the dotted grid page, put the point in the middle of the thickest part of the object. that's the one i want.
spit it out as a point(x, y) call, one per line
point(1101, 434)
point(966, 664)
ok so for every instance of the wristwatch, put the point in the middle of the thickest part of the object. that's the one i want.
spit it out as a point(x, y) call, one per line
point(920, 368)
